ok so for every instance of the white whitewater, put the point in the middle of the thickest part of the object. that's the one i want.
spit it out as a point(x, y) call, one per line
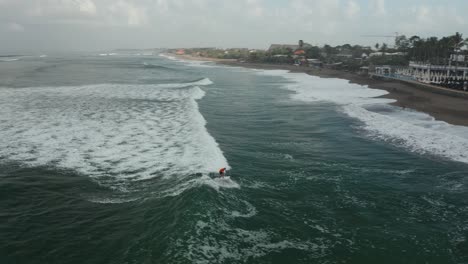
point(417, 132)
point(117, 130)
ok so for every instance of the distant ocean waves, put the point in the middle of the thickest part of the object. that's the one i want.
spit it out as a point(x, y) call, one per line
point(11, 58)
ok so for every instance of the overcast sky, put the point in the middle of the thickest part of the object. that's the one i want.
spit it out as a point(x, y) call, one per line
point(47, 25)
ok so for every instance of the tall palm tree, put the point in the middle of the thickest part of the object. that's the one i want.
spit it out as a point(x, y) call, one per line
point(384, 47)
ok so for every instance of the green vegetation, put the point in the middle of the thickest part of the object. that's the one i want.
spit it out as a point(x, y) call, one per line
point(349, 57)
point(432, 50)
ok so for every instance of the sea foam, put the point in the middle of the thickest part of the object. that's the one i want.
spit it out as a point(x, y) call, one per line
point(8, 59)
point(415, 131)
point(121, 131)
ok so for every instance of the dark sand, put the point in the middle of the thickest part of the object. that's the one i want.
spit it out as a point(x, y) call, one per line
point(451, 109)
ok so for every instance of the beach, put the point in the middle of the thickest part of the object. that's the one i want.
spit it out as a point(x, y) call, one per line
point(453, 110)
point(198, 58)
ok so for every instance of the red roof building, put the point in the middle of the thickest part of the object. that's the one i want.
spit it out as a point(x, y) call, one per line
point(299, 52)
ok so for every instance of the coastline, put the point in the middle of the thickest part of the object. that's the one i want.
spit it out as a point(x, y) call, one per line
point(450, 109)
point(197, 58)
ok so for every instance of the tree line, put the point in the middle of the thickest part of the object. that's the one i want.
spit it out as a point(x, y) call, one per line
point(432, 50)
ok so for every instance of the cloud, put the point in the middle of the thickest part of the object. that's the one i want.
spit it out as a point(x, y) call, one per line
point(377, 7)
point(13, 27)
point(432, 20)
point(131, 14)
point(248, 23)
point(254, 8)
point(352, 9)
point(61, 8)
point(87, 6)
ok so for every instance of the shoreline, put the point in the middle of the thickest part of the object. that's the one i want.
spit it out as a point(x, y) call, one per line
point(450, 109)
point(197, 58)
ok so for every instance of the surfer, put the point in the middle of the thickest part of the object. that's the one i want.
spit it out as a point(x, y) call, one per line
point(222, 171)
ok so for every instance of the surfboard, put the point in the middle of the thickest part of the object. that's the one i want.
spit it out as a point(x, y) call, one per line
point(216, 175)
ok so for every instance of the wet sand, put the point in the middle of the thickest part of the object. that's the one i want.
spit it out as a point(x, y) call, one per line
point(451, 109)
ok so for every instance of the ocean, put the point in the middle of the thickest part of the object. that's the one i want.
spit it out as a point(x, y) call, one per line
point(109, 158)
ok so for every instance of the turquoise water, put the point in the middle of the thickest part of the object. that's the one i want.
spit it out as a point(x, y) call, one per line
point(106, 159)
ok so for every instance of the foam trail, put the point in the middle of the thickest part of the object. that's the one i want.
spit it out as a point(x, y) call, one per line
point(167, 56)
point(193, 63)
point(417, 132)
point(8, 59)
point(201, 82)
point(121, 131)
point(215, 241)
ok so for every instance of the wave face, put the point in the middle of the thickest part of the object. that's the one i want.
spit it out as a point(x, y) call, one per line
point(123, 131)
point(415, 131)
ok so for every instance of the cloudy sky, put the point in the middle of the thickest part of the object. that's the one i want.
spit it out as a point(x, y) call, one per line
point(47, 25)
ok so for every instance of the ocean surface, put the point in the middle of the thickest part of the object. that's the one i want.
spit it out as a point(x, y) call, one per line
point(108, 158)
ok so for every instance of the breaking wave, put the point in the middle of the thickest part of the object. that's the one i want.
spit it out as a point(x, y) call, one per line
point(117, 131)
point(8, 59)
point(415, 131)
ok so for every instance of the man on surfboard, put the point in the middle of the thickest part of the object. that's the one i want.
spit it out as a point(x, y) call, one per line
point(222, 171)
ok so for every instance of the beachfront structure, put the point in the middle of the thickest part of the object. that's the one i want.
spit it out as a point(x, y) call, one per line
point(364, 70)
point(375, 54)
point(449, 76)
point(299, 52)
point(283, 46)
point(437, 74)
point(383, 70)
point(315, 63)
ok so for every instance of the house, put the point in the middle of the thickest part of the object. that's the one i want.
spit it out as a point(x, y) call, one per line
point(384, 70)
point(345, 53)
point(314, 63)
point(299, 52)
point(364, 70)
point(180, 52)
point(387, 54)
point(283, 46)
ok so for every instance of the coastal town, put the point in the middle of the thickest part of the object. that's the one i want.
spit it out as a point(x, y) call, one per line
point(439, 64)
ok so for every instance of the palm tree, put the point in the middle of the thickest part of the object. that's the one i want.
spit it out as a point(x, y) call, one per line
point(457, 39)
point(445, 47)
point(377, 45)
point(415, 46)
point(431, 48)
point(384, 47)
point(414, 39)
